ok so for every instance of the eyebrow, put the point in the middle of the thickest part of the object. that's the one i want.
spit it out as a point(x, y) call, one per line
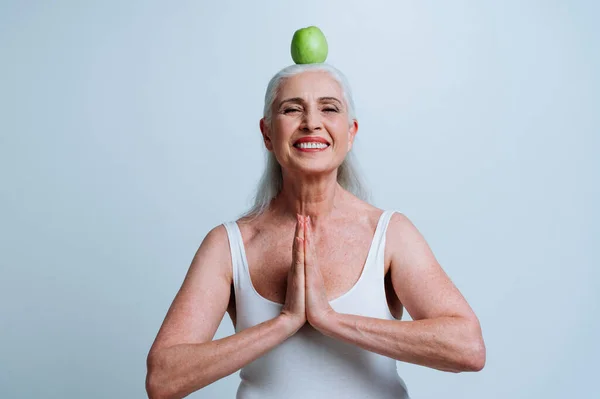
point(299, 100)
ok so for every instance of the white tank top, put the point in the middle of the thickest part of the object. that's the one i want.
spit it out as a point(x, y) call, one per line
point(310, 364)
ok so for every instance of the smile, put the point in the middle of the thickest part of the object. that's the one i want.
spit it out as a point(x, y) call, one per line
point(311, 147)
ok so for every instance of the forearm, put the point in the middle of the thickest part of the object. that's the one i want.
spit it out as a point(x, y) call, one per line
point(446, 343)
point(178, 371)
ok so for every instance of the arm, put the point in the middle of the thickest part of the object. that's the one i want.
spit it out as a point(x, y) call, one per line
point(179, 370)
point(445, 333)
point(183, 358)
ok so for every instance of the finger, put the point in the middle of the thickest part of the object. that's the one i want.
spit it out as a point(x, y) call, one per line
point(301, 224)
point(299, 242)
point(307, 240)
point(309, 250)
point(298, 225)
point(311, 242)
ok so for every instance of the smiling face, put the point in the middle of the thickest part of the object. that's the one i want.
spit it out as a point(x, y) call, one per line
point(309, 105)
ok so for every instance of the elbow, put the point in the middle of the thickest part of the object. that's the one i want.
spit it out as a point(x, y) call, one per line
point(473, 354)
point(152, 389)
point(477, 359)
point(155, 387)
point(470, 360)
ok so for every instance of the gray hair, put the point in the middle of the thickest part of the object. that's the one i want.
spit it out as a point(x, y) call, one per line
point(271, 182)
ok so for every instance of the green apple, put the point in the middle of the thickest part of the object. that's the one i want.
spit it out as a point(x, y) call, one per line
point(309, 46)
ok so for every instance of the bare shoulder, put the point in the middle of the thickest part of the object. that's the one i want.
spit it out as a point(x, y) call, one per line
point(405, 238)
point(214, 247)
point(402, 236)
point(399, 225)
point(218, 242)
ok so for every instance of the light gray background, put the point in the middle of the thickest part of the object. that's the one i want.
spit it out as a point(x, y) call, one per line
point(130, 128)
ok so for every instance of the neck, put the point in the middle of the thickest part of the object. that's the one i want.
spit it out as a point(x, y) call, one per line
point(316, 196)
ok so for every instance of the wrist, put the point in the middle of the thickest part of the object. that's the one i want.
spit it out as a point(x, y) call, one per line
point(290, 324)
point(326, 323)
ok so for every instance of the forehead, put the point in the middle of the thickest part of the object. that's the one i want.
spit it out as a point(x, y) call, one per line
point(310, 84)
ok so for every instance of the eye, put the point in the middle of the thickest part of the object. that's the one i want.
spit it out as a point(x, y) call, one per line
point(290, 110)
point(330, 109)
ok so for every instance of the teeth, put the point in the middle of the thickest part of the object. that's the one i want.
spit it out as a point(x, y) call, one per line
point(311, 145)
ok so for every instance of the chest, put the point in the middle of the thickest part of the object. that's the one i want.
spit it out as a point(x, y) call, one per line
point(341, 256)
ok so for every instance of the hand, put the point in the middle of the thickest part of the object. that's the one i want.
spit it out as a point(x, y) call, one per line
point(318, 309)
point(294, 306)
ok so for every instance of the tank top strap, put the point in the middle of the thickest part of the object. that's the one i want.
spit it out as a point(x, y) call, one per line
point(374, 266)
point(379, 239)
point(237, 252)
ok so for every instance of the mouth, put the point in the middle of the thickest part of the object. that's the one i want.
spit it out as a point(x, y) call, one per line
point(311, 147)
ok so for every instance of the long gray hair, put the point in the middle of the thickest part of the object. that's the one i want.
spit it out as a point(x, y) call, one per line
point(271, 182)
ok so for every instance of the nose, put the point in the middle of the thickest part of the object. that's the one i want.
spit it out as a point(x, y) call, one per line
point(311, 121)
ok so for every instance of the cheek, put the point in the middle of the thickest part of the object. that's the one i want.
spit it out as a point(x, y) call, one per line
point(338, 126)
point(282, 130)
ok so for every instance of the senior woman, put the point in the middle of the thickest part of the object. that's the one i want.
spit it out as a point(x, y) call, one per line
point(313, 277)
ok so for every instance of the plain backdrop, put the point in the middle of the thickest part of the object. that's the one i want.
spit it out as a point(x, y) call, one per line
point(129, 129)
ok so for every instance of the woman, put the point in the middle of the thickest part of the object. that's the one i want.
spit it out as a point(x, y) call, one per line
point(313, 276)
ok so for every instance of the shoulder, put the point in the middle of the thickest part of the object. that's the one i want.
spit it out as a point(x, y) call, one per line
point(217, 237)
point(215, 249)
point(398, 222)
point(402, 232)
point(403, 238)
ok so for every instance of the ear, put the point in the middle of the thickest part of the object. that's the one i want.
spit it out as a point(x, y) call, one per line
point(266, 133)
point(352, 133)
